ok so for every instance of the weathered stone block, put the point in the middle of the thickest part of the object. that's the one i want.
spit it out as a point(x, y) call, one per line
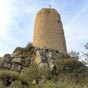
point(17, 60)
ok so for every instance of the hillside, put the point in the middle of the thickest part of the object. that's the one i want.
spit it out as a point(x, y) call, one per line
point(32, 67)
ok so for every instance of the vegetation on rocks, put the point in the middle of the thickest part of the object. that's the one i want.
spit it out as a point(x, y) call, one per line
point(67, 72)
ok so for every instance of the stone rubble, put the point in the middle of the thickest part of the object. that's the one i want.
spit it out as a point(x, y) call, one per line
point(44, 57)
point(41, 56)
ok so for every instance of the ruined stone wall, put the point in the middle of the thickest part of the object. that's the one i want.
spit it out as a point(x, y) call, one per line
point(48, 30)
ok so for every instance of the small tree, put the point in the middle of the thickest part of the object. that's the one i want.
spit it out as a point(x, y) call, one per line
point(29, 47)
point(74, 54)
point(86, 54)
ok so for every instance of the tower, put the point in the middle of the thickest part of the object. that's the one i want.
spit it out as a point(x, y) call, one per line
point(48, 30)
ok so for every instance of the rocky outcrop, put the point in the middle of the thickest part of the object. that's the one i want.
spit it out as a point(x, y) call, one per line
point(17, 51)
point(44, 57)
point(14, 63)
point(20, 58)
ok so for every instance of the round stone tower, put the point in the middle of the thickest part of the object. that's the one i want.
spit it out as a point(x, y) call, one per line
point(48, 30)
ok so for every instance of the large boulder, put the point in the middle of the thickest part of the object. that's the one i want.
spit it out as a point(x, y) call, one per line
point(16, 67)
point(6, 65)
point(26, 61)
point(45, 57)
point(40, 57)
point(17, 60)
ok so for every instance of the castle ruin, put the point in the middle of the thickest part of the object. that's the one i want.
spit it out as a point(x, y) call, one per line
point(48, 31)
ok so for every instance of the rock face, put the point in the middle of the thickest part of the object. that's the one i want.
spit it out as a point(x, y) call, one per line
point(44, 57)
point(15, 63)
point(48, 31)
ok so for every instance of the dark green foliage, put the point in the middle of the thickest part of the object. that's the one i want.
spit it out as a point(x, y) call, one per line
point(34, 73)
point(18, 49)
point(86, 54)
point(68, 64)
point(16, 84)
point(67, 73)
point(71, 69)
point(24, 55)
point(6, 73)
point(29, 74)
point(74, 54)
point(29, 47)
point(7, 77)
point(58, 84)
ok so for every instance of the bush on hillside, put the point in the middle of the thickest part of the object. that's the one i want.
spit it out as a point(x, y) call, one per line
point(71, 69)
point(59, 84)
point(16, 84)
point(29, 47)
point(34, 73)
point(6, 73)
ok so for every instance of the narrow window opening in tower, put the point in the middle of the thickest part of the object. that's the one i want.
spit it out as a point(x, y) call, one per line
point(58, 21)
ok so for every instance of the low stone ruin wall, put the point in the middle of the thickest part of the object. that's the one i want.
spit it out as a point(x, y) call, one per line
point(41, 56)
point(15, 64)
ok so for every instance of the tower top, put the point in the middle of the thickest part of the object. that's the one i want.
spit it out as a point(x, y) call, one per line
point(48, 10)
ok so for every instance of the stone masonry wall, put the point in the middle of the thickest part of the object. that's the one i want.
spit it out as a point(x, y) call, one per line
point(48, 31)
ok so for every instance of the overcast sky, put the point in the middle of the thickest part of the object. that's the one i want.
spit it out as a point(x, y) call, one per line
point(17, 22)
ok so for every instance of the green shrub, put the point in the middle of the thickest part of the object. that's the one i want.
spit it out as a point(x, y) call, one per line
point(25, 55)
point(34, 73)
point(6, 73)
point(59, 84)
point(29, 73)
point(1, 84)
point(28, 47)
point(16, 84)
point(71, 69)
point(70, 65)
